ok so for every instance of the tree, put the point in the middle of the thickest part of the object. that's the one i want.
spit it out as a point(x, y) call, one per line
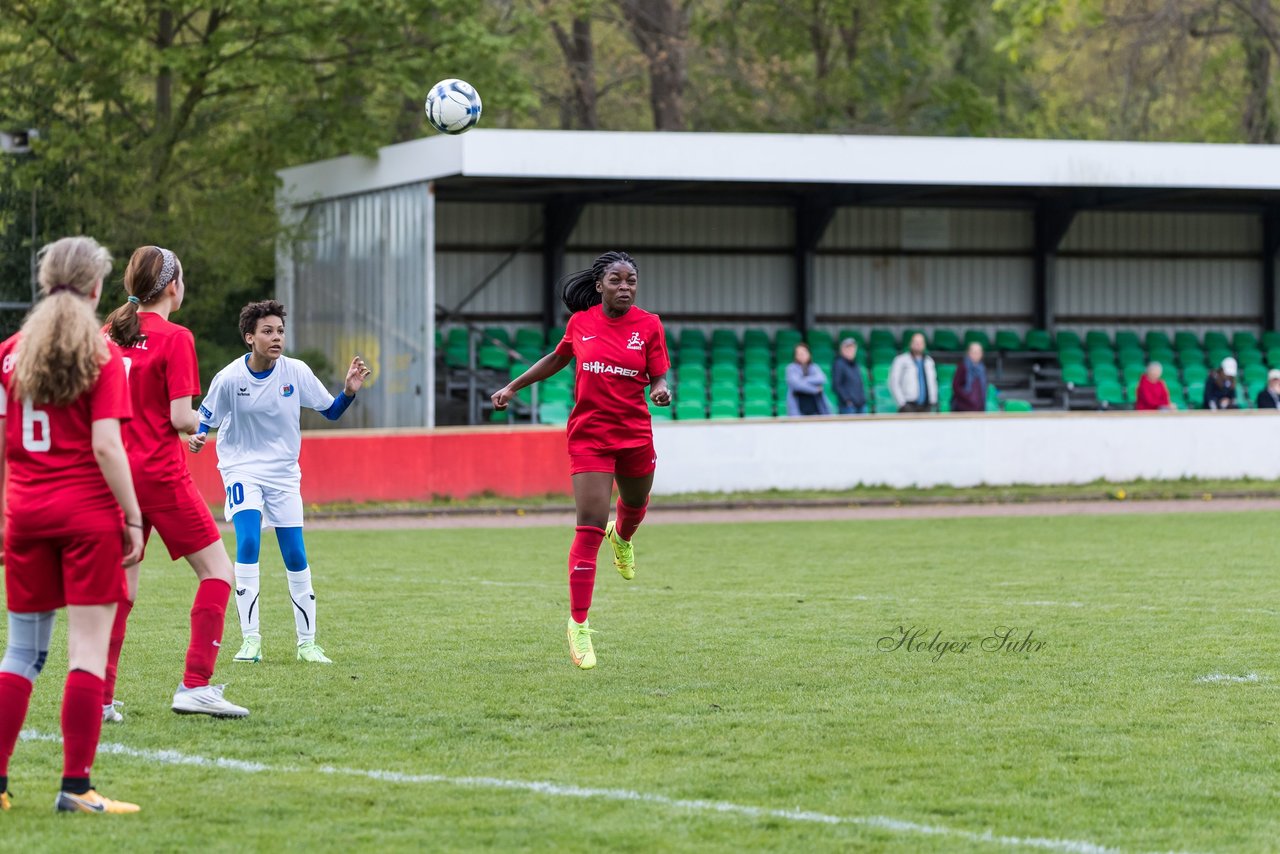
point(660, 29)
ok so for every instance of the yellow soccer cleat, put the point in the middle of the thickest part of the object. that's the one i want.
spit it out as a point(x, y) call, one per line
point(580, 649)
point(91, 802)
point(624, 554)
point(5, 804)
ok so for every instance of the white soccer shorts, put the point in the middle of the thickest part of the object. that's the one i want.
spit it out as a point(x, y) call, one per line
point(279, 509)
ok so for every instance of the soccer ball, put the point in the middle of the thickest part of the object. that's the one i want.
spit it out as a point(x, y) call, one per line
point(453, 106)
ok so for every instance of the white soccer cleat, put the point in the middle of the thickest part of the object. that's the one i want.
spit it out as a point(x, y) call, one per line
point(111, 713)
point(206, 700)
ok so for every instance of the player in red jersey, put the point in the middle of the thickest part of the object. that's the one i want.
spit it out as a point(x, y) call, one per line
point(65, 540)
point(620, 349)
point(160, 359)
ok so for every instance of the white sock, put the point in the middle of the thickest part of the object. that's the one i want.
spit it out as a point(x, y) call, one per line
point(304, 604)
point(247, 598)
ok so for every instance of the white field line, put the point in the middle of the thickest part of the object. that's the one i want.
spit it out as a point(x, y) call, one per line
point(874, 822)
point(1225, 677)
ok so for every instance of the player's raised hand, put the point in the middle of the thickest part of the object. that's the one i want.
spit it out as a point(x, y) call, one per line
point(660, 394)
point(356, 375)
point(196, 442)
point(502, 397)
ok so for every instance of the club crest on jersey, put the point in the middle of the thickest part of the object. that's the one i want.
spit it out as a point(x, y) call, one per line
point(286, 390)
point(635, 343)
point(602, 368)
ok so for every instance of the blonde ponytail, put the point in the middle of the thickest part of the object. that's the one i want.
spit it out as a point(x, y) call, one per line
point(61, 350)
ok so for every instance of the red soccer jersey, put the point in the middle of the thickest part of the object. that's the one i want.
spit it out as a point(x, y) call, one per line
point(161, 368)
point(616, 357)
point(55, 486)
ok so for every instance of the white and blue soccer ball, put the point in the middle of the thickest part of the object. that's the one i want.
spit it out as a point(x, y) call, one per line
point(453, 106)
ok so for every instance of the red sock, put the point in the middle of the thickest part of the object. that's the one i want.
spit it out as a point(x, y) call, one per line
point(15, 696)
point(81, 722)
point(208, 616)
point(113, 652)
point(582, 569)
point(629, 519)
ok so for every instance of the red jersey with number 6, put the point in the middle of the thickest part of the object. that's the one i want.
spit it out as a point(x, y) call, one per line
point(54, 484)
point(161, 368)
point(616, 358)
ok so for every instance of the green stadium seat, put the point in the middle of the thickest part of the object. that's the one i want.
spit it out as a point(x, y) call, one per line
point(1244, 340)
point(1184, 338)
point(757, 388)
point(529, 336)
point(1271, 339)
point(1255, 378)
point(692, 359)
point(553, 412)
point(1106, 373)
point(1195, 373)
point(493, 358)
point(1132, 373)
point(692, 336)
point(1039, 339)
point(724, 373)
point(978, 336)
point(660, 413)
point(1166, 356)
point(1249, 356)
point(1131, 354)
point(1176, 390)
point(456, 337)
point(726, 391)
point(1096, 338)
point(1102, 356)
point(1273, 357)
point(1215, 356)
point(1110, 393)
point(721, 353)
point(946, 340)
point(1131, 389)
point(883, 400)
point(755, 407)
point(946, 373)
point(1157, 340)
point(1216, 341)
point(757, 357)
point(1191, 356)
point(786, 342)
point(530, 353)
point(726, 338)
point(1128, 338)
point(724, 409)
point(1067, 340)
point(1008, 340)
point(757, 373)
point(1195, 394)
point(1017, 406)
point(687, 373)
point(691, 391)
point(556, 334)
point(880, 372)
point(496, 333)
point(823, 357)
point(1071, 357)
point(820, 339)
point(554, 394)
point(883, 338)
point(757, 338)
point(883, 356)
point(690, 410)
point(499, 416)
point(1075, 374)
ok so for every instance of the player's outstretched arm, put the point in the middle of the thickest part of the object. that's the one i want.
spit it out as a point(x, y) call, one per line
point(547, 366)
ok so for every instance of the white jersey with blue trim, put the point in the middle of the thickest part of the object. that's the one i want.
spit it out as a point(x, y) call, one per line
point(259, 420)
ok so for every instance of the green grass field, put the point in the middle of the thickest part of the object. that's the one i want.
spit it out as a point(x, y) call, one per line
point(741, 666)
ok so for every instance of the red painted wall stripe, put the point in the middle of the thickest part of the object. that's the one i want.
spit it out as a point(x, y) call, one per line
point(374, 465)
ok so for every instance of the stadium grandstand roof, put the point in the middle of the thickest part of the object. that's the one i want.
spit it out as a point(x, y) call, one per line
point(772, 168)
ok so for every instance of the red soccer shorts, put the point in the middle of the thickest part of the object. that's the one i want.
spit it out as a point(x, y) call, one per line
point(46, 573)
point(179, 515)
point(628, 462)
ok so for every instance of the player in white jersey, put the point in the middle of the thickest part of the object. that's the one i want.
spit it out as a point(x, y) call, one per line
point(255, 404)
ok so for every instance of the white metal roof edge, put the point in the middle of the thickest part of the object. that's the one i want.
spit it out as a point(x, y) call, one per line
point(791, 158)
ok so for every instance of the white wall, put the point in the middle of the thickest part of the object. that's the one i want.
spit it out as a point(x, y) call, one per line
point(962, 450)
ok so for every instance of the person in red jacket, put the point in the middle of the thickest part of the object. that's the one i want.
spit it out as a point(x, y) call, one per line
point(620, 349)
point(71, 517)
point(1152, 392)
point(160, 359)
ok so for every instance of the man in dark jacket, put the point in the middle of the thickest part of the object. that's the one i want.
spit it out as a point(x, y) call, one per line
point(969, 386)
point(847, 380)
point(1220, 387)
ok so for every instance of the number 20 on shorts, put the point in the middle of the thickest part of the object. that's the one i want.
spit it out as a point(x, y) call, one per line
point(235, 494)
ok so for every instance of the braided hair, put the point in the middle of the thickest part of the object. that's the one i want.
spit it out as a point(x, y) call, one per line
point(580, 288)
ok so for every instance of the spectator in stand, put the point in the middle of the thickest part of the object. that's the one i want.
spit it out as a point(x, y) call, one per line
point(969, 386)
point(846, 380)
point(1269, 397)
point(805, 382)
point(1152, 392)
point(913, 378)
point(1220, 388)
